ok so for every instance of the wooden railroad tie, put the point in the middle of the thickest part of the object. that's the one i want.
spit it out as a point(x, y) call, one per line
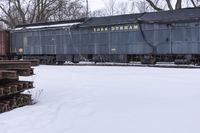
point(15, 87)
point(21, 67)
point(15, 101)
point(33, 62)
point(8, 74)
point(10, 86)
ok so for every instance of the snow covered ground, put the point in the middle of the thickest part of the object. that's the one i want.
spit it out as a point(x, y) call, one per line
point(110, 100)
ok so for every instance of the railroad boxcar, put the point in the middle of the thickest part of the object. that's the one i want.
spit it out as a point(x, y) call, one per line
point(4, 45)
point(147, 37)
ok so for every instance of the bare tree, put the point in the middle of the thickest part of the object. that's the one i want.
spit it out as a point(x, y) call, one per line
point(144, 6)
point(195, 3)
point(115, 7)
point(172, 4)
point(110, 7)
point(87, 8)
point(70, 9)
point(132, 6)
point(124, 8)
point(42, 10)
point(98, 13)
point(15, 12)
point(169, 5)
point(2, 26)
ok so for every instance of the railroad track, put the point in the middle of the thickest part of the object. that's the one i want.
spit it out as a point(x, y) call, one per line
point(135, 65)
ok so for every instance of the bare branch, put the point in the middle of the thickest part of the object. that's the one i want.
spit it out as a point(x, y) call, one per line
point(169, 5)
point(178, 4)
point(154, 6)
point(193, 3)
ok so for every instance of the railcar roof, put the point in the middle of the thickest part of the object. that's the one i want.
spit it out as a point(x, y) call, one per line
point(110, 20)
point(175, 16)
point(56, 23)
point(181, 15)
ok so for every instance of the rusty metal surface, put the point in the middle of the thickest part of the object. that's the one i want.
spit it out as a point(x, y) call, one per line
point(4, 43)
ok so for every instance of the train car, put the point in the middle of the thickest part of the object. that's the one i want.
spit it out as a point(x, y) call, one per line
point(4, 45)
point(146, 37)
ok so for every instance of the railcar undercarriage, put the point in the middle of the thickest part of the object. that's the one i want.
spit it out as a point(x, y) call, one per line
point(122, 58)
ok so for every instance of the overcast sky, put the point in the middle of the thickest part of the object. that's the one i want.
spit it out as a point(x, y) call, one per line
point(98, 4)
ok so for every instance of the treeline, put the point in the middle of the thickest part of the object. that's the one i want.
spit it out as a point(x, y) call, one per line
point(15, 12)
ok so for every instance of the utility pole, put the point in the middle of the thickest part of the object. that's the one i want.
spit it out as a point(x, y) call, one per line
point(87, 8)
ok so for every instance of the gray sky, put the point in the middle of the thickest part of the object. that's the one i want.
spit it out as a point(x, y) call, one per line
point(98, 4)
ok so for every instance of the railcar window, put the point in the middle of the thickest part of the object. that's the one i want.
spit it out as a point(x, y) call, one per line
point(121, 27)
point(106, 29)
point(95, 29)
